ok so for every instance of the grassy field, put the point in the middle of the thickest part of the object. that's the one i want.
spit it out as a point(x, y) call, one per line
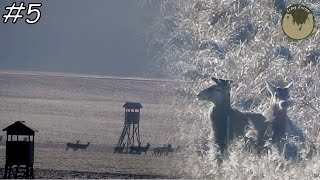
point(65, 108)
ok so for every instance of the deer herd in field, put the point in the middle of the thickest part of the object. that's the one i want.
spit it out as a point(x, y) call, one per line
point(77, 145)
point(259, 131)
point(158, 151)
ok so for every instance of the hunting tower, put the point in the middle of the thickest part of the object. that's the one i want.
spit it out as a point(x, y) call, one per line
point(19, 151)
point(130, 133)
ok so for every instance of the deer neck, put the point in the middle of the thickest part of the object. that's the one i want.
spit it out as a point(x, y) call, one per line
point(221, 113)
point(223, 107)
point(276, 106)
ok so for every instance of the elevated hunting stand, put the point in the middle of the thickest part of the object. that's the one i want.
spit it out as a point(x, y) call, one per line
point(19, 151)
point(130, 133)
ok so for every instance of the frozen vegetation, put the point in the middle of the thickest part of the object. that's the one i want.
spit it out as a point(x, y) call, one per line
point(241, 40)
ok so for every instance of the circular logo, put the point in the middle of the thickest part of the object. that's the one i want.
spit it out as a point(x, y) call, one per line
point(297, 21)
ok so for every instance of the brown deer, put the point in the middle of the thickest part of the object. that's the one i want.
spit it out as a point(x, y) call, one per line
point(228, 122)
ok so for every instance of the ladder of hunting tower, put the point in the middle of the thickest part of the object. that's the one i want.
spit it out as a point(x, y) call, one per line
point(123, 134)
point(130, 134)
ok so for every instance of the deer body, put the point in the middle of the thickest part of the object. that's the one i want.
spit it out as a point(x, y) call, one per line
point(280, 123)
point(227, 121)
point(145, 149)
point(72, 145)
point(119, 149)
point(157, 151)
point(278, 119)
point(139, 149)
point(276, 113)
point(83, 147)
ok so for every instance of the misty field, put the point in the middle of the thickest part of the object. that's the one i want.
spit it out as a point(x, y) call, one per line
point(68, 108)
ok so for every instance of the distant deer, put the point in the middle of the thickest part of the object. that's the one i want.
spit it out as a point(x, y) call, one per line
point(83, 147)
point(169, 150)
point(135, 149)
point(72, 145)
point(177, 149)
point(163, 150)
point(119, 149)
point(227, 121)
point(145, 149)
point(157, 151)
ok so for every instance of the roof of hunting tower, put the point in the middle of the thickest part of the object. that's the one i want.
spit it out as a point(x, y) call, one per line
point(18, 128)
point(131, 105)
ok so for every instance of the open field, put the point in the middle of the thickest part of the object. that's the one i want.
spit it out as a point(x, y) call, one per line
point(67, 108)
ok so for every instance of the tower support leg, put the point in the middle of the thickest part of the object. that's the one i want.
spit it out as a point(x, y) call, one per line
point(5, 171)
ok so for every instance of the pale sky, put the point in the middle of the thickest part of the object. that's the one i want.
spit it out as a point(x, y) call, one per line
point(104, 37)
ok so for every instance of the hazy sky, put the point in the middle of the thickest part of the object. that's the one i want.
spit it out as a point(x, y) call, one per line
point(79, 36)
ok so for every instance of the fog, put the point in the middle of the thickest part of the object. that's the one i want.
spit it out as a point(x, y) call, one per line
point(104, 37)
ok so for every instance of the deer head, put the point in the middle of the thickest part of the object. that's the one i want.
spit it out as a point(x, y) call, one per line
point(280, 95)
point(218, 93)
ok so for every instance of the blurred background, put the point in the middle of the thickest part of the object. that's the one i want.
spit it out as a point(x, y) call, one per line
point(80, 36)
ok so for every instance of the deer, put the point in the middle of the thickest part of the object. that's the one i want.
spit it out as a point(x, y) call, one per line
point(169, 150)
point(276, 113)
point(174, 150)
point(228, 122)
point(119, 149)
point(72, 145)
point(163, 150)
point(177, 149)
point(83, 147)
point(280, 124)
point(157, 151)
point(145, 149)
point(135, 149)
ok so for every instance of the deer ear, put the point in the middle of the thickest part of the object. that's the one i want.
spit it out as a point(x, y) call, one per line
point(289, 87)
point(272, 89)
point(217, 81)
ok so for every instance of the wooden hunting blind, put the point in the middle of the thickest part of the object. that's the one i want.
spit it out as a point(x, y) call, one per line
point(130, 133)
point(19, 151)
